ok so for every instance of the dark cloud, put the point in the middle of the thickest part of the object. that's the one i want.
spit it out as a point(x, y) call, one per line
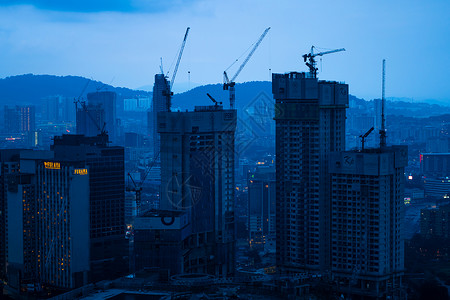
point(98, 5)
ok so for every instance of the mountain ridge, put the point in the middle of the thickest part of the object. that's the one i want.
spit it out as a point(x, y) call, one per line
point(29, 89)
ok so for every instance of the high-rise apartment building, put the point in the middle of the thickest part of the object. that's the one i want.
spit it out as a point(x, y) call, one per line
point(310, 124)
point(107, 100)
point(367, 250)
point(197, 177)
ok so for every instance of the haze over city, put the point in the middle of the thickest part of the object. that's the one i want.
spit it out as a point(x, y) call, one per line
point(121, 42)
point(224, 150)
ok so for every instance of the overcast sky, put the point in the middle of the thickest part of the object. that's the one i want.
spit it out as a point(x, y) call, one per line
point(121, 42)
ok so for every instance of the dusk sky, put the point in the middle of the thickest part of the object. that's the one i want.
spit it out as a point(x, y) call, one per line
point(120, 42)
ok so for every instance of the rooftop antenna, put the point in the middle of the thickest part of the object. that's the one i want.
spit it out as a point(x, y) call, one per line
point(383, 100)
point(363, 137)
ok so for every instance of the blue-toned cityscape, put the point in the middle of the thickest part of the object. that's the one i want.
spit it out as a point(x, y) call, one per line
point(319, 179)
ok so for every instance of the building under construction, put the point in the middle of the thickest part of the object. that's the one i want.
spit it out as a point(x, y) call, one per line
point(197, 186)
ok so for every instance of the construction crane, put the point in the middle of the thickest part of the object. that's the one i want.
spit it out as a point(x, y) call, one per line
point(363, 137)
point(311, 62)
point(137, 187)
point(216, 103)
point(228, 84)
point(83, 105)
point(168, 91)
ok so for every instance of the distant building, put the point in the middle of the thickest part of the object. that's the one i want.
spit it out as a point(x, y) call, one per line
point(108, 101)
point(435, 222)
point(438, 145)
point(57, 108)
point(137, 104)
point(310, 124)
point(19, 119)
point(134, 140)
point(90, 120)
point(261, 206)
point(435, 165)
point(367, 191)
point(437, 188)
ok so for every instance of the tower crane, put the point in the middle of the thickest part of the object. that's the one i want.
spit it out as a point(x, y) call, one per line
point(168, 89)
point(363, 137)
point(216, 103)
point(83, 105)
point(137, 187)
point(311, 62)
point(228, 84)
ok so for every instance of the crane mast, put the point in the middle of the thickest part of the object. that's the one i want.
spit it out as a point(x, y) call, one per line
point(310, 61)
point(179, 57)
point(230, 84)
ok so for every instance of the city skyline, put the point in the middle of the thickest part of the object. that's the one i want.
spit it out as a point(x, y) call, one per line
point(70, 38)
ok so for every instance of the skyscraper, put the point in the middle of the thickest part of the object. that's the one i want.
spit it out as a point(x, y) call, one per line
point(62, 232)
point(159, 104)
point(197, 177)
point(367, 200)
point(48, 228)
point(310, 123)
point(107, 100)
point(90, 119)
point(108, 246)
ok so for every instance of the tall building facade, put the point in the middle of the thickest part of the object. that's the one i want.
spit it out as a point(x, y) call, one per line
point(48, 228)
point(159, 104)
point(367, 249)
point(262, 206)
point(310, 124)
point(107, 243)
point(107, 100)
point(90, 119)
point(197, 177)
point(9, 165)
point(63, 226)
